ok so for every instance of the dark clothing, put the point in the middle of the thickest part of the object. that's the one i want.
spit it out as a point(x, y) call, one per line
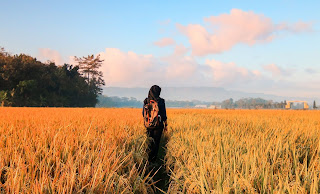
point(155, 133)
point(154, 93)
point(154, 143)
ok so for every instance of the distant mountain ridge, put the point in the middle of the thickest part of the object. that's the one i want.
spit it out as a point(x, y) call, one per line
point(207, 94)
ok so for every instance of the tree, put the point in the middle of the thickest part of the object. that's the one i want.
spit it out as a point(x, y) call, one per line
point(24, 81)
point(89, 66)
point(314, 105)
point(227, 103)
point(3, 52)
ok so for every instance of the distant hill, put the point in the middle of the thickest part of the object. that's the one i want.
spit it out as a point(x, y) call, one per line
point(208, 94)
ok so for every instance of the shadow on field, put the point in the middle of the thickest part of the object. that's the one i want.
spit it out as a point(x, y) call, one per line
point(161, 177)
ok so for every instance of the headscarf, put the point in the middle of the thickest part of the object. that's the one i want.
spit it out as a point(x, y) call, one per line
point(154, 92)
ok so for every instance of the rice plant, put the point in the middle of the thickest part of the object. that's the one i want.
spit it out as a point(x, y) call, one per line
point(244, 151)
point(64, 150)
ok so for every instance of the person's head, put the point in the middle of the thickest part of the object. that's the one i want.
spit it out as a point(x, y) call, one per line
point(154, 92)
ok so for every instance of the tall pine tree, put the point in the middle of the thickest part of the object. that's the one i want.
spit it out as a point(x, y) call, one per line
point(89, 67)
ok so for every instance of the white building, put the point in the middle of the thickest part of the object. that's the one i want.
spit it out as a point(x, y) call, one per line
point(201, 106)
point(215, 107)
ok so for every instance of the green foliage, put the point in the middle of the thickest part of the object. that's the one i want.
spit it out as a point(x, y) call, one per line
point(114, 101)
point(252, 103)
point(24, 81)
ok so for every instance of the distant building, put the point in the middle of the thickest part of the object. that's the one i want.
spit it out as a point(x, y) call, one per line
point(290, 103)
point(215, 107)
point(201, 106)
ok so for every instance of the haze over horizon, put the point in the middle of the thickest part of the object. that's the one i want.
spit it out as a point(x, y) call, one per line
point(205, 94)
point(255, 47)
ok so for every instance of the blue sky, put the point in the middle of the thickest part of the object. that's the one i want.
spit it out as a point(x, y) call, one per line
point(254, 46)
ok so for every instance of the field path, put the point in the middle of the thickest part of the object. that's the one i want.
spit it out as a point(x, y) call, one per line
point(161, 176)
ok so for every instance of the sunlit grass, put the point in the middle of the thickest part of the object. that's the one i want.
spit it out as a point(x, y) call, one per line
point(244, 151)
point(72, 150)
point(58, 150)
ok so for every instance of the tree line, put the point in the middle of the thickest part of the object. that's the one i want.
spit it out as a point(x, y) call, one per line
point(243, 103)
point(252, 103)
point(259, 103)
point(115, 101)
point(25, 81)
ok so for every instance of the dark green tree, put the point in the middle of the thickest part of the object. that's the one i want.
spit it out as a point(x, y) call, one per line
point(24, 81)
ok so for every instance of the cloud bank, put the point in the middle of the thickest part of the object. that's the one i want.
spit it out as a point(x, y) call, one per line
point(129, 69)
point(223, 32)
point(190, 66)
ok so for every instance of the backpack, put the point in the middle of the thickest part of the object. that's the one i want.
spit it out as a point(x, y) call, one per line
point(151, 115)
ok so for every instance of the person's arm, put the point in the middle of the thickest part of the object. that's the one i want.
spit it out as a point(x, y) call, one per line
point(165, 116)
point(165, 126)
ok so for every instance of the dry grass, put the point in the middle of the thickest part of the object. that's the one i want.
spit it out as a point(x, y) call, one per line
point(244, 151)
point(72, 150)
point(50, 150)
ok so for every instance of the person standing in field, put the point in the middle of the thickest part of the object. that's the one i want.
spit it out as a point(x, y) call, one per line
point(155, 120)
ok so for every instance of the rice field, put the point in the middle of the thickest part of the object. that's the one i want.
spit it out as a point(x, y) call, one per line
point(65, 150)
point(244, 151)
point(95, 150)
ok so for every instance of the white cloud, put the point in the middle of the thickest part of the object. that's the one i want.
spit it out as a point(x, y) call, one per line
point(51, 55)
point(224, 74)
point(226, 30)
point(180, 50)
point(297, 27)
point(277, 71)
point(164, 42)
point(128, 69)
